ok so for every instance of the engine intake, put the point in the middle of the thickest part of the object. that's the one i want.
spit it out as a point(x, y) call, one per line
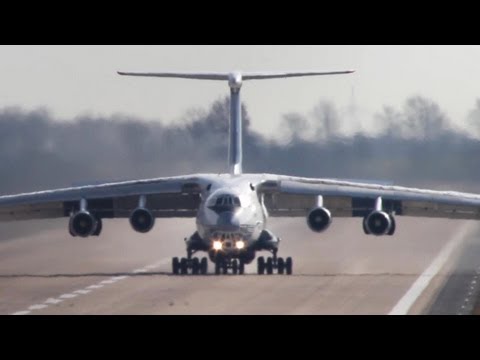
point(142, 220)
point(379, 223)
point(83, 224)
point(319, 219)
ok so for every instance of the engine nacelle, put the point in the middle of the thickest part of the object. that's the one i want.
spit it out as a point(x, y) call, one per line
point(83, 224)
point(379, 223)
point(319, 219)
point(142, 220)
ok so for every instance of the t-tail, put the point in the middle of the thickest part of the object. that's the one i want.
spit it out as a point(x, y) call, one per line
point(235, 80)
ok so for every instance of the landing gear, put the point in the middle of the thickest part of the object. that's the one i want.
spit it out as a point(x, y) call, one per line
point(261, 265)
point(289, 265)
point(223, 264)
point(234, 267)
point(195, 265)
point(241, 268)
point(204, 266)
point(175, 266)
point(274, 263)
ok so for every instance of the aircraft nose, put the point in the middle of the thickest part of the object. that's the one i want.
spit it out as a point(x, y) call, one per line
point(228, 221)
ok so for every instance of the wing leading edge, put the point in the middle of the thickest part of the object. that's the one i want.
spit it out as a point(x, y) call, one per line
point(294, 196)
point(166, 197)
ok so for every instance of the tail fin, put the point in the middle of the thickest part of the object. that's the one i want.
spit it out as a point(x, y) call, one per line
point(235, 80)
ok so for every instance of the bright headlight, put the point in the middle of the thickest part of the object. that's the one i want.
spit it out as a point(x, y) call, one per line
point(240, 244)
point(217, 245)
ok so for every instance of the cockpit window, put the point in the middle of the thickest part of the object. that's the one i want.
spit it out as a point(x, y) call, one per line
point(225, 203)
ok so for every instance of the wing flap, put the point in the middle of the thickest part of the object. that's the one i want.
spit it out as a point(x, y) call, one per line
point(32, 211)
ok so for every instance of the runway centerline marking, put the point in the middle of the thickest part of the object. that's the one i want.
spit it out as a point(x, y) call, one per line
point(405, 303)
point(90, 289)
point(53, 301)
point(68, 296)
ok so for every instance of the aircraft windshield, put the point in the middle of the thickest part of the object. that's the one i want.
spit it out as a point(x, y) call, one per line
point(224, 202)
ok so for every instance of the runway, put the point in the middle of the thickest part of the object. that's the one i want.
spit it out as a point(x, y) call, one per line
point(45, 271)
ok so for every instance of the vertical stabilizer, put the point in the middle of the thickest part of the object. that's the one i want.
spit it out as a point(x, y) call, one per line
point(235, 81)
point(235, 128)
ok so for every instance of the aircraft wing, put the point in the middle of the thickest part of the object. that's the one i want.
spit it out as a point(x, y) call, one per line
point(286, 196)
point(166, 197)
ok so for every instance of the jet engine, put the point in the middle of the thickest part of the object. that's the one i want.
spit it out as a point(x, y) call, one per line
point(83, 224)
point(379, 223)
point(142, 220)
point(319, 219)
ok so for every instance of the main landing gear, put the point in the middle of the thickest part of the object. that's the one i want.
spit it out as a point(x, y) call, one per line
point(195, 265)
point(274, 263)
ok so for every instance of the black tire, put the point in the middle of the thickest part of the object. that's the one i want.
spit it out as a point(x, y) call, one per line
point(224, 269)
point(183, 266)
point(175, 266)
point(269, 266)
point(289, 266)
point(218, 267)
point(280, 266)
point(234, 267)
point(195, 266)
point(204, 266)
point(261, 265)
point(241, 268)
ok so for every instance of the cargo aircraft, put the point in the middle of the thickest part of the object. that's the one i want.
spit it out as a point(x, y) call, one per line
point(231, 209)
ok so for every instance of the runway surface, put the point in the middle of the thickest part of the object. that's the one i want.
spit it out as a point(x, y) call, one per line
point(45, 271)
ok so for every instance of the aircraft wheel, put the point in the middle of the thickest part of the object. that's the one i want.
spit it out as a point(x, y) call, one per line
point(269, 266)
point(218, 267)
point(224, 268)
point(280, 265)
point(289, 265)
point(183, 266)
point(175, 266)
point(234, 267)
point(195, 266)
point(261, 265)
point(241, 268)
point(204, 266)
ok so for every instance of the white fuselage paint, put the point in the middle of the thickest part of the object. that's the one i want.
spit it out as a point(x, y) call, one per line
point(245, 222)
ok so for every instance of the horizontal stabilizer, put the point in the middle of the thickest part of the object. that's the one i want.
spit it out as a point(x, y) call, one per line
point(228, 76)
point(182, 75)
point(282, 75)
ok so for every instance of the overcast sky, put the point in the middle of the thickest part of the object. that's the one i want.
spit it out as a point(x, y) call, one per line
point(78, 80)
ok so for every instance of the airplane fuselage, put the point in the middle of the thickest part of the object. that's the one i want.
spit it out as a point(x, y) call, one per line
point(231, 217)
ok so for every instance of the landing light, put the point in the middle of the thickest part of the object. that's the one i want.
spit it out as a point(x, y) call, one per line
point(240, 245)
point(217, 245)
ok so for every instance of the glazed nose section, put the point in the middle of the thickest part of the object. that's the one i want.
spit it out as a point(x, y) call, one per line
point(228, 221)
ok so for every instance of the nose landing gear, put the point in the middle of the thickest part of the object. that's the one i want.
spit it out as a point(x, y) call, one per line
point(222, 265)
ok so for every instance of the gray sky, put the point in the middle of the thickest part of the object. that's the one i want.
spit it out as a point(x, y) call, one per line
point(76, 80)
